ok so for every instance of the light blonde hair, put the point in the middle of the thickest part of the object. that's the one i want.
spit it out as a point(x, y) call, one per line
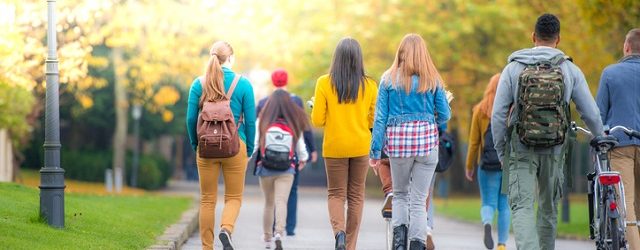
point(485, 106)
point(412, 58)
point(213, 85)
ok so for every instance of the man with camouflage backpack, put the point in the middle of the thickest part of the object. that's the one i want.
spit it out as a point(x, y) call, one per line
point(537, 86)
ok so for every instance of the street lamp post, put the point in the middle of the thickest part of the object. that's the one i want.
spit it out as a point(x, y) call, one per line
point(52, 175)
point(136, 113)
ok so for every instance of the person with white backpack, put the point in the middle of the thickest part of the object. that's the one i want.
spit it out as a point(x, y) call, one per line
point(280, 127)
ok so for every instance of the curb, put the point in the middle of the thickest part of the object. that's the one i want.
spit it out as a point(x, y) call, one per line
point(177, 234)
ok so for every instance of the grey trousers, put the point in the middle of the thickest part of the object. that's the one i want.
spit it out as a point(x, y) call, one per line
point(431, 205)
point(411, 181)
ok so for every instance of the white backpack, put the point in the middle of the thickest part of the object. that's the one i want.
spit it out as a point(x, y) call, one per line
point(277, 153)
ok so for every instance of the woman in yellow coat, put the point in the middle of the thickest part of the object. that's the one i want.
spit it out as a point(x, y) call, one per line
point(344, 104)
point(482, 154)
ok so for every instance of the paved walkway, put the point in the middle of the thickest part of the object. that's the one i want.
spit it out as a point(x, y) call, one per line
point(314, 232)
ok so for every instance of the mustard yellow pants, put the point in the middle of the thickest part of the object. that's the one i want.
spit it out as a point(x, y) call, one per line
point(233, 172)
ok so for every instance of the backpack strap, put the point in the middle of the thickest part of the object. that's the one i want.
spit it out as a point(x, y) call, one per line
point(559, 59)
point(232, 88)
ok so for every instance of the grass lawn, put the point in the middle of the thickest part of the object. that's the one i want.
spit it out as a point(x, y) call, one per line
point(91, 221)
point(468, 209)
point(31, 178)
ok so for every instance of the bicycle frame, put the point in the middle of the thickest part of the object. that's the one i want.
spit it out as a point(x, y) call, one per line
point(601, 191)
point(606, 189)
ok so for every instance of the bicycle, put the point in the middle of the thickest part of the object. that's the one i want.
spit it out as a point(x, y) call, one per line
point(605, 194)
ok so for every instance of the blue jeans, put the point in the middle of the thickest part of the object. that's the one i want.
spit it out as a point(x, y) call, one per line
point(292, 206)
point(492, 200)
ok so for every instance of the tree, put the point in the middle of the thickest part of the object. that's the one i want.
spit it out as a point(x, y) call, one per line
point(22, 36)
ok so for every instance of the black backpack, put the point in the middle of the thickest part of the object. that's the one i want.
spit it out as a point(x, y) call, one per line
point(489, 160)
point(446, 149)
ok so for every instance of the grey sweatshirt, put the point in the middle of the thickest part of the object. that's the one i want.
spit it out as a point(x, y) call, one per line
point(576, 89)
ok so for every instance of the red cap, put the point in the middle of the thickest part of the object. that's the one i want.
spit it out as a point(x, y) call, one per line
point(279, 78)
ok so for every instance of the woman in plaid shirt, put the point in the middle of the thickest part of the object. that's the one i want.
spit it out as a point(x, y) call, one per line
point(411, 104)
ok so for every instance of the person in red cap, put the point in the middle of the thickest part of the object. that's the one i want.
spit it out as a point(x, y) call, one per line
point(280, 79)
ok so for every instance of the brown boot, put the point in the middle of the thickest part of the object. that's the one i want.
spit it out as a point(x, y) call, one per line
point(430, 245)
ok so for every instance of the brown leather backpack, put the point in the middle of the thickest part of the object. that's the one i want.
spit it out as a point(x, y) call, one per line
point(217, 131)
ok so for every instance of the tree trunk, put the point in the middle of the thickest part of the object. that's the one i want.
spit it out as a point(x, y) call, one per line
point(6, 157)
point(178, 162)
point(121, 105)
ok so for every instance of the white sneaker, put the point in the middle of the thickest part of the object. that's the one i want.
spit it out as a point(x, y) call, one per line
point(266, 240)
point(278, 240)
point(267, 244)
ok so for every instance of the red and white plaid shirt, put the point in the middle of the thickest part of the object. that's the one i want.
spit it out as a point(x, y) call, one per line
point(411, 139)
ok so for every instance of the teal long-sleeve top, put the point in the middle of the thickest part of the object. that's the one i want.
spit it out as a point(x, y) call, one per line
point(242, 102)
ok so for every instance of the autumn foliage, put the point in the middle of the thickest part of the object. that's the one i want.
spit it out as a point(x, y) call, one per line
point(163, 44)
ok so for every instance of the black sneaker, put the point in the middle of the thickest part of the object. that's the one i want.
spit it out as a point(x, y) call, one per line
point(400, 237)
point(278, 241)
point(341, 241)
point(225, 238)
point(488, 238)
point(417, 245)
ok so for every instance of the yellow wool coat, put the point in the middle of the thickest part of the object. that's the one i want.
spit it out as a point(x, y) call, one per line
point(346, 125)
point(479, 125)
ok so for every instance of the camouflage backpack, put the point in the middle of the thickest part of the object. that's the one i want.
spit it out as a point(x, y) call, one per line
point(543, 117)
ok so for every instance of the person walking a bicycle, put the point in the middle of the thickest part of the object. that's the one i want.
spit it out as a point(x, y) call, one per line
point(619, 105)
point(537, 86)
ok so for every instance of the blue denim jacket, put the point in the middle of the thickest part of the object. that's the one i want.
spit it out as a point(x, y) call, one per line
point(395, 106)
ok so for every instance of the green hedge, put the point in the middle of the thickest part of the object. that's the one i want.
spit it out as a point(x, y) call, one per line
point(154, 170)
point(85, 165)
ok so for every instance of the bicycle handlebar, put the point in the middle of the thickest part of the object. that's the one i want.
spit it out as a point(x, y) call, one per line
point(627, 131)
point(635, 134)
point(582, 130)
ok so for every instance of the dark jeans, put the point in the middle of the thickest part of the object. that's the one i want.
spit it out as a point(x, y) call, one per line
point(292, 206)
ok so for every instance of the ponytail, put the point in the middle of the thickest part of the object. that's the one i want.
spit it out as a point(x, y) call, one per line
point(213, 80)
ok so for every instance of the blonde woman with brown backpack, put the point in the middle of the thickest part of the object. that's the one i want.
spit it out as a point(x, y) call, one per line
point(221, 126)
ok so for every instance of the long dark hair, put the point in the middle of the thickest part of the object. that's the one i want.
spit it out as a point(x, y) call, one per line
point(280, 106)
point(347, 70)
